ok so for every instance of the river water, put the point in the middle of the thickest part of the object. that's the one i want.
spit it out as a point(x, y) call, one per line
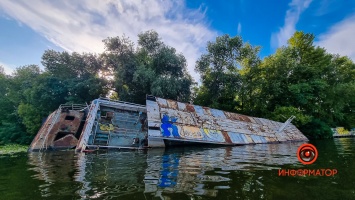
point(240, 172)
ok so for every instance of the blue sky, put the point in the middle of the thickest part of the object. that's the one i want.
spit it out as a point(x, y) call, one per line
point(28, 28)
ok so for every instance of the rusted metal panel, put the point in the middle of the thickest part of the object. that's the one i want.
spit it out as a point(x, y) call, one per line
point(60, 123)
point(226, 137)
point(165, 119)
point(67, 141)
point(269, 139)
point(206, 111)
point(172, 104)
point(190, 108)
point(39, 140)
point(182, 117)
point(281, 137)
point(196, 123)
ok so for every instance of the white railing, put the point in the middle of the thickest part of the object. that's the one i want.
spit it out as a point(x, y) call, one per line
point(284, 125)
point(73, 106)
point(90, 119)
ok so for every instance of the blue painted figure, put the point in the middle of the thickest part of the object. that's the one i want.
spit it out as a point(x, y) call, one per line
point(169, 124)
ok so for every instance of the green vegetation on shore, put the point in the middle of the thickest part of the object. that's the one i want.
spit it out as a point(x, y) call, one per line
point(299, 79)
point(12, 148)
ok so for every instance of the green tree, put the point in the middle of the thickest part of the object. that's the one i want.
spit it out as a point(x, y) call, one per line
point(152, 68)
point(316, 83)
point(14, 89)
point(79, 73)
point(227, 74)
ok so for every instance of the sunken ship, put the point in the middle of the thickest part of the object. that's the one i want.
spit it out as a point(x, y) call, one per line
point(161, 122)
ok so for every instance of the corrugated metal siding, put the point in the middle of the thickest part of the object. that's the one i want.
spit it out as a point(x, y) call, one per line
point(196, 123)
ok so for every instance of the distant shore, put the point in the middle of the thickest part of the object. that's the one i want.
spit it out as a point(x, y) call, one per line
point(12, 148)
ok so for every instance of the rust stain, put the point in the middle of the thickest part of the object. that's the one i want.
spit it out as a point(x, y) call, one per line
point(68, 121)
point(226, 137)
point(172, 104)
point(41, 133)
point(66, 141)
point(190, 108)
point(227, 114)
point(231, 116)
point(244, 118)
point(162, 103)
point(235, 116)
point(207, 110)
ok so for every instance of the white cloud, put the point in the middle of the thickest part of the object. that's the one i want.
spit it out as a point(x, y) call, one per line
point(8, 70)
point(82, 25)
point(296, 7)
point(239, 28)
point(339, 38)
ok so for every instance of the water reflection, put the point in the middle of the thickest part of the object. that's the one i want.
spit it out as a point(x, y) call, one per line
point(344, 145)
point(55, 169)
point(159, 173)
point(206, 171)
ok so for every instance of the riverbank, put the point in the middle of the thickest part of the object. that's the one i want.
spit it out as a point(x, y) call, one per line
point(12, 148)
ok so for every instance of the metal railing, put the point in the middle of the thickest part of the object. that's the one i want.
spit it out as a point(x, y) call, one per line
point(54, 120)
point(123, 102)
point(73, 106)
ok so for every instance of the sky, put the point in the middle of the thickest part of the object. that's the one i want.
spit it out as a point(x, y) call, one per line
point(28, 28)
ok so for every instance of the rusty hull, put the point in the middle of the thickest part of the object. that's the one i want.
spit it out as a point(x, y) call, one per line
point(192, 123)
point(58, 131)
point(167, 120)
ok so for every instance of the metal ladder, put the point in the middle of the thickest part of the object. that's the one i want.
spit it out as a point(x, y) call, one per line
point(284, 125)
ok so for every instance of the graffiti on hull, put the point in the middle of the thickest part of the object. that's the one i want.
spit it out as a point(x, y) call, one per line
point(170, 129)
point(213, 135)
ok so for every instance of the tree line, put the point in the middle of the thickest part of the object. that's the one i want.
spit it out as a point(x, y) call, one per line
point(299, 79)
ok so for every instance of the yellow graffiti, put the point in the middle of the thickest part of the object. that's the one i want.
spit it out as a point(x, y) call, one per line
point(214, 135)
point(106, 127)
point(341, 130)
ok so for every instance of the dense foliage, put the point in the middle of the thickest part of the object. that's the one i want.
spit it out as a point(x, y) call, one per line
point(29, 94)
point(152, 68)
point(300, 79)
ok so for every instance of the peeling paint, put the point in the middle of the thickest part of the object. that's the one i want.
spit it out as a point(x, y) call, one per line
point(196, 123)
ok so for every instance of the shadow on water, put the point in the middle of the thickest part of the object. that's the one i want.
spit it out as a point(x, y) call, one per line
point(240, 172)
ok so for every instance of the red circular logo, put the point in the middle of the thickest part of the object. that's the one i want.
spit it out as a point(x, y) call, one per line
point(307, 154)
